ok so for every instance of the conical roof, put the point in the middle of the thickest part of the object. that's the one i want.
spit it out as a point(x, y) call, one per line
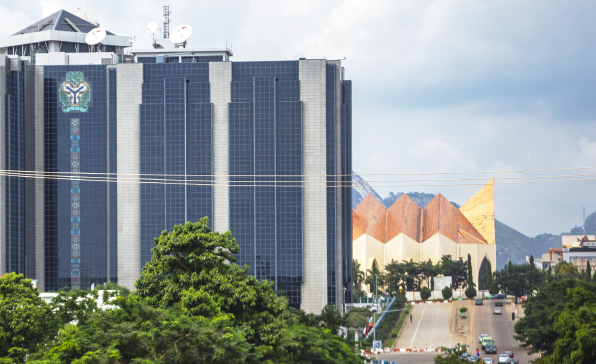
point(61, 20)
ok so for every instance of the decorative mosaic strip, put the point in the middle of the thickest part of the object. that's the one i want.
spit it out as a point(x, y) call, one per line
point(75, 208)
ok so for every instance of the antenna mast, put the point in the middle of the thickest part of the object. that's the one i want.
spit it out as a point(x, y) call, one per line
point(166, 21)
point(584, 220)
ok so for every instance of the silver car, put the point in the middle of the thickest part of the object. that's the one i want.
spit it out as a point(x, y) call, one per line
point(503, 358)
point(488, 361)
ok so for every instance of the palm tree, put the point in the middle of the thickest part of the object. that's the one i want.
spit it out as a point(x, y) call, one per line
point(357, 275)
point(375, 284)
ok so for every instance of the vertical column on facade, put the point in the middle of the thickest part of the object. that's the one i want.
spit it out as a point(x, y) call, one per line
point(30, 183)
point(312, 94)
point(4, 68)
point(331, 163)
point(129, 97)
point(39, 182)
point(220, 78)
point(347, 189)
point(339, 189)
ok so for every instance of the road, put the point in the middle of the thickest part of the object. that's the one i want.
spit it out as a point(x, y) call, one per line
point(500, 328)
point(429, 327)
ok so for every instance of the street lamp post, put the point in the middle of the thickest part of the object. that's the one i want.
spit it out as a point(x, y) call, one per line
point(375, 312)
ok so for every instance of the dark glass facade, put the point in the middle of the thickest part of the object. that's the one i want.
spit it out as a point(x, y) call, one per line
point(176, 143)
point(176, 147)
point(78, 221)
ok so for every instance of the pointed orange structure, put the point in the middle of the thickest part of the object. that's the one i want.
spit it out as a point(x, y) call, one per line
point(403, 217)
point(480, 211)
point(369, 217)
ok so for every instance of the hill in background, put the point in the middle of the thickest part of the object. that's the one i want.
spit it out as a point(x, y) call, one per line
point(511, 244)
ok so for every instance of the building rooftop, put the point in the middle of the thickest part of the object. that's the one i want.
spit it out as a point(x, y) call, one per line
point(61, 20)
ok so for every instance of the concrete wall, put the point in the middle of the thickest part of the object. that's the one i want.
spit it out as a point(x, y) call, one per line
point(312, 94)
point(130, 79)
point(400, 248)
point(220, 77)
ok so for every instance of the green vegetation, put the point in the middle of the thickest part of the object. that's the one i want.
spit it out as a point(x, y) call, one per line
point(470, 292)
point(447, 292)
point(192, 305)
point(386, 326)
point(400, 324)
point(425, 293)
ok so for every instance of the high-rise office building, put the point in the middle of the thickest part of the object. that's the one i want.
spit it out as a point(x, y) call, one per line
point(103, 149)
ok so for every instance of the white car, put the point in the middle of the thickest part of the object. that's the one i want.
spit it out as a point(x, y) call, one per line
point(503, 358)
point(480, 338)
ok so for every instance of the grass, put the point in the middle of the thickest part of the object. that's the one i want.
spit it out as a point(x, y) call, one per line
point(397, 328)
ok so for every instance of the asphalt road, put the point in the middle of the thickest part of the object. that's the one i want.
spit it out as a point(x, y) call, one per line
point(429, 327)
point(500, 328)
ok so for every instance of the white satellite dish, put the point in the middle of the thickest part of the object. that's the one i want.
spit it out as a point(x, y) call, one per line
point(95, 36)
point(181, 34)
point(151, 27)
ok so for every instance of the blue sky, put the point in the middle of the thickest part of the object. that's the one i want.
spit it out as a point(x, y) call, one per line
point(439, 86)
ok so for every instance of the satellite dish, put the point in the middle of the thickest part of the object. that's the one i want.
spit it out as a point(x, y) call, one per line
point(151, 27)
point(181, 34)
point(95, 36)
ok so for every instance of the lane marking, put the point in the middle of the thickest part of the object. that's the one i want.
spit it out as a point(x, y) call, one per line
point(419, 321)
point(510, 334)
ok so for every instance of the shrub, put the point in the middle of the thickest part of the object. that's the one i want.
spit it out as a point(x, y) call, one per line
point(471, 292)
point(425, 293)
point(463, 309)
point(447, 292)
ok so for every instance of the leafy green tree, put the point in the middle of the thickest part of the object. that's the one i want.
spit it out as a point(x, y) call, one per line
point(588, 271)
point(566, 269)
point(456, 269)
point(536, 329)
point(534, 275)
point(426, 270)
point(331, 319)
point(412, 275)
point(425, 293)
point(357, 317)
point(447, 292)
point(470, 292)
point(25, 319)
point(576, 326)
point(513, 279)
point(192, 266)
point(137, 332)
point(451, 355)
point(111, 286)
point(396, 277)
point(490, 281)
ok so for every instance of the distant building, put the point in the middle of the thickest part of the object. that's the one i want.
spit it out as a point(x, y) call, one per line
point(133, 143)
point(582, 251)
point(405, 231)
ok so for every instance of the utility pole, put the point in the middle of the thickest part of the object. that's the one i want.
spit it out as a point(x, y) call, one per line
point(375, 312)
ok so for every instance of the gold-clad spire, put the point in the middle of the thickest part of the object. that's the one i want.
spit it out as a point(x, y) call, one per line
point(480, 211)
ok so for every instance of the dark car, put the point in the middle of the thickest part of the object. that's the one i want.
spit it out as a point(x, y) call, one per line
point(510, 353)
point(499, 303)
point(490, 348)
point(479, 301)
point(499, 297)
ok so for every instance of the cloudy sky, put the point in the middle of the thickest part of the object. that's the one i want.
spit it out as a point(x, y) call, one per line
point(439, 86)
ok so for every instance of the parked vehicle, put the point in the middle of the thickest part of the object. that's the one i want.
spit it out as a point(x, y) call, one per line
point(498, 297)
point(480, 338)
point(512, 361)
point(499, 303)
point(472, 358)
point(479, 302)
point(488, 361)
point(497, 311)
point(490, 348)
point(510, 353)
point(503, 358)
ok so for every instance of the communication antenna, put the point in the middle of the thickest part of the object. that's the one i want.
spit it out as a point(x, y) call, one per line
point(151, 28)
point(166, 21)
point(181, 35)
point(584, 220)
point(95, 36)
